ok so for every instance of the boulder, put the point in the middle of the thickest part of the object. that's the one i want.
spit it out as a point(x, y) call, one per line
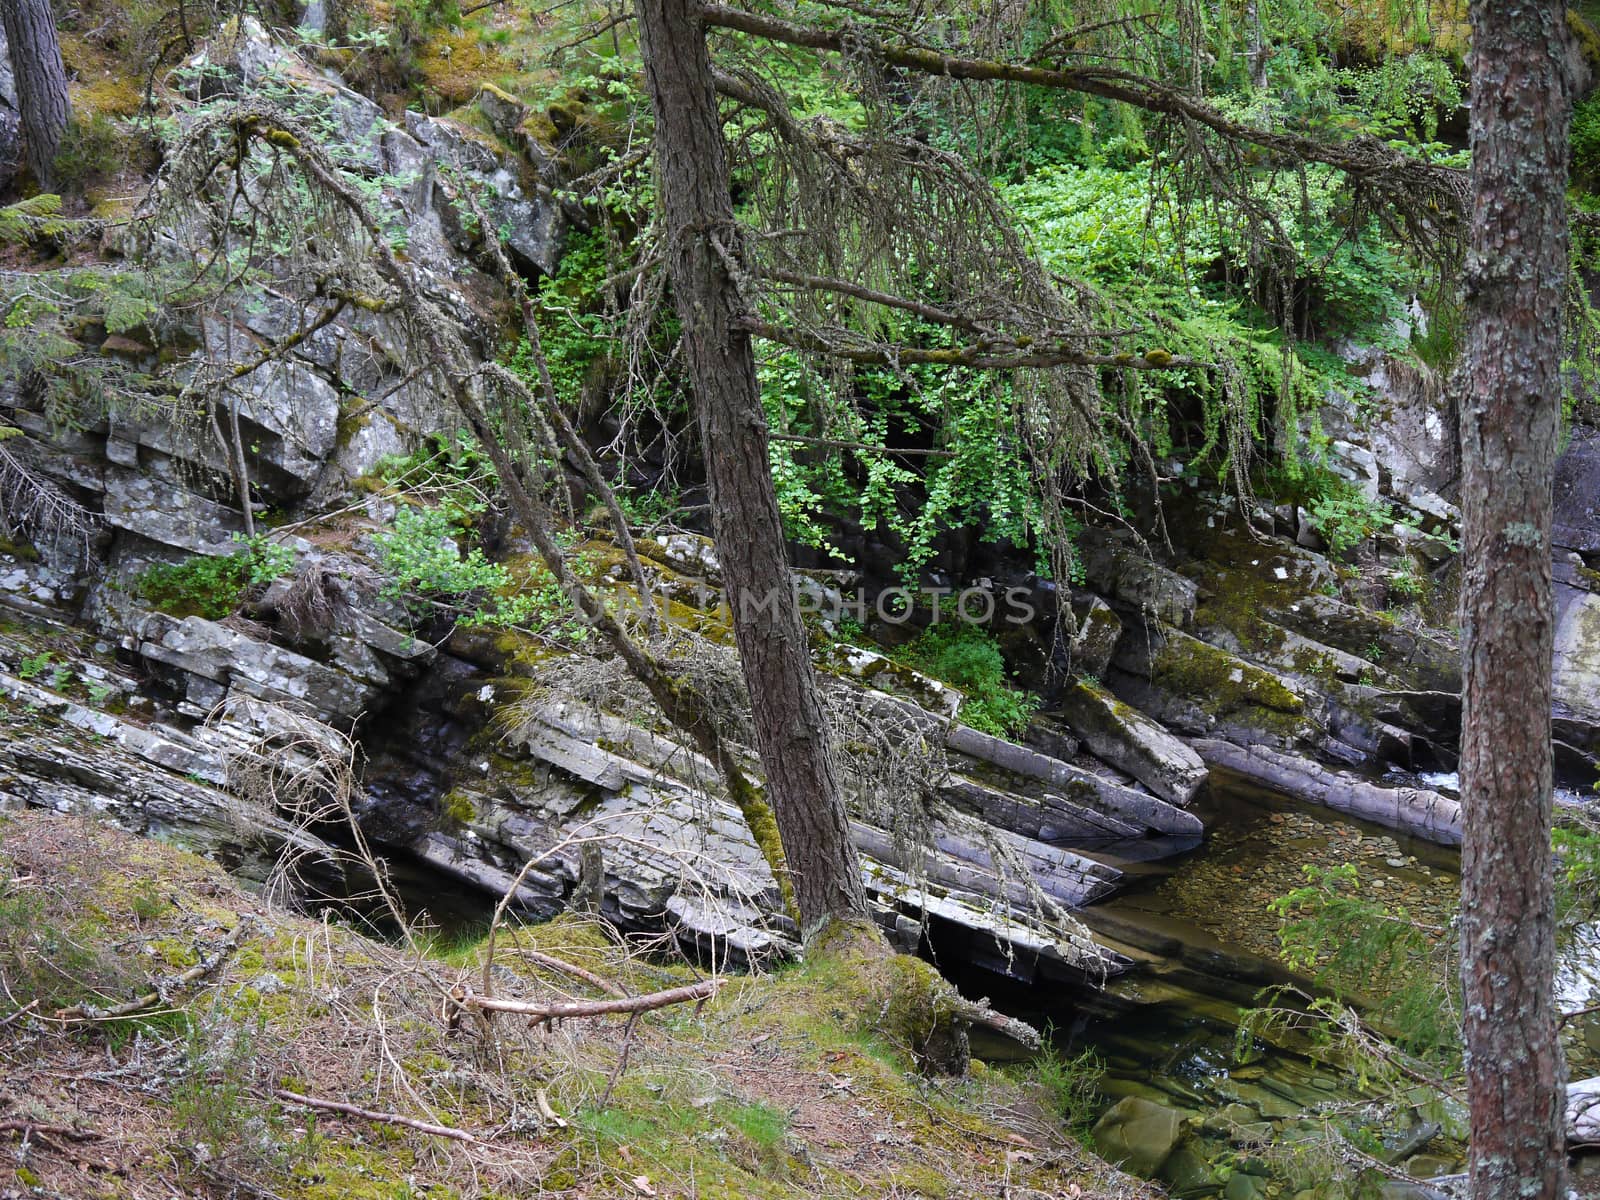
point(1133, 581)
point(169, 515)
point(1138, 1134)
point(1123, 737)
point(1199, 689)
point(1583, 1110)
point(530, 224)
point(1096, 639)
point(1245, 1187)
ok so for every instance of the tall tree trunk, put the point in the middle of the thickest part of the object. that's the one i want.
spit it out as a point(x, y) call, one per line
point(1511, 401)
point(41, 81)
point(697, 213)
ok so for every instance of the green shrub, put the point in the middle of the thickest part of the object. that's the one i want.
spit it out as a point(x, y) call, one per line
point(425, 565)
point(209, 586)
point(1073, 1085)
point(429, 573)
point(93, 146)
point(448, 469)
point(1345, 516)
point(968, 658)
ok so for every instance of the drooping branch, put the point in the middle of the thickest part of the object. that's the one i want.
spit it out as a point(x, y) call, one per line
point(1366, 160)
point(977, 355)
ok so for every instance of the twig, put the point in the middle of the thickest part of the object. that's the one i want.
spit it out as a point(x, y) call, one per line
point(622, 1060)
point(382, 1118)
point(30, 1128)
point(23, 1011)
point(1565, 1017)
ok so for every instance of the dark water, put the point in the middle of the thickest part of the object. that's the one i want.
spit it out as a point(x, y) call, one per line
point(1205, 946)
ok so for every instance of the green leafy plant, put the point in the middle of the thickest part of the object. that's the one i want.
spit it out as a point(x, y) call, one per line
point(1406, 582)
point(213, 586)
point(429, 572)
point(1345, 516)
point(35, 665)
point(1352, 945)
point(970, 659)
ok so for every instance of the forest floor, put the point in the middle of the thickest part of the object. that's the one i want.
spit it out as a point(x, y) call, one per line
point(781, 1085)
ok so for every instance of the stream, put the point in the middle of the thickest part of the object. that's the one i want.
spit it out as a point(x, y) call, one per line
point(1205, 944)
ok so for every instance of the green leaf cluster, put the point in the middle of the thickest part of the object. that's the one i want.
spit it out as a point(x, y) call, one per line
point(213, 586)
point(969, 658)
point(1361, 947)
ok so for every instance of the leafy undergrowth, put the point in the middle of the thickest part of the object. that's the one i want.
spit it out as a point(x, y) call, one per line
point(780, 1086)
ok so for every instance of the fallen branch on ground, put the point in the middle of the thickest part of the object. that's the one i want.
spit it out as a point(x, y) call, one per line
point(546, 1011)
point(978, 1013)
point(30, 1128)
point(382, 1118)
point(86, 1012)
point(541, 959)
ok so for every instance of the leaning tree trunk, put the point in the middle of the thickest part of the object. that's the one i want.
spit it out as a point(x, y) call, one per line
point(41, 81)
point(697, 212)
point(1511, 400)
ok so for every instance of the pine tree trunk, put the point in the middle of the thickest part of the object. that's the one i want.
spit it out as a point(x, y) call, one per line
point(1510, 406)
point(41, 81)
point(697, 217)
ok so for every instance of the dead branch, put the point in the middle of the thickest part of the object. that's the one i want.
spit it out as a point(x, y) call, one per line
point(978, 1012)
point(557, 418)
point(543, 1012)
point(540, 958)
point(34, 507)
point(29, 1128)
point(622, 1060)
point(85, 1012)
point(382, 1118)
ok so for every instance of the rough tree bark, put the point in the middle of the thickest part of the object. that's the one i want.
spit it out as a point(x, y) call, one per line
point(1510, 404)
point(697, 215)
point(41, 81)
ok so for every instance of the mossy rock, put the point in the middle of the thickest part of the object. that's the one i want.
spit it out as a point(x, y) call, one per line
point(1587, 38)
point(898, 996)
point(1223, 683)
